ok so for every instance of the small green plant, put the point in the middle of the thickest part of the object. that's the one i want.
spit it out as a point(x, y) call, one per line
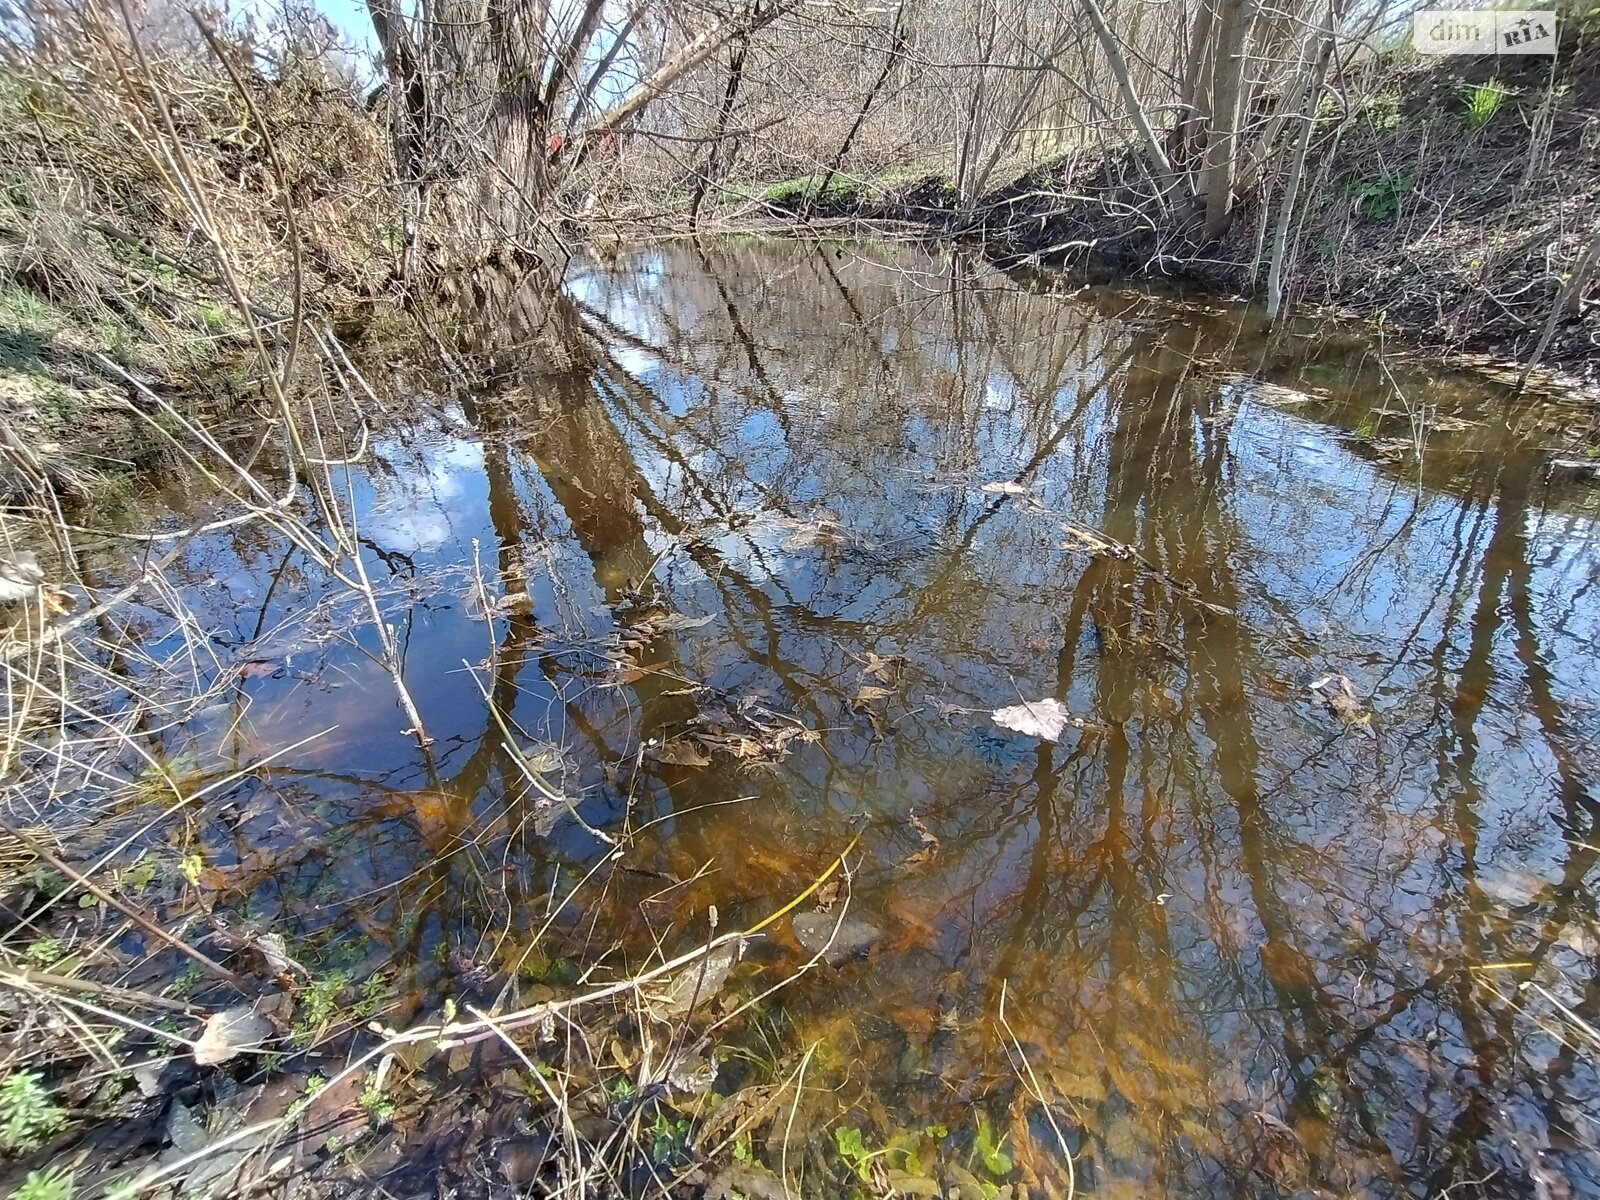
point(212, 316)
point(142, 874)
point(1483, 101)
point(185, 982)
point(45, 951)
point(373, 1101)
point(27, 1114)
point(742, 1152)
point(318, 1003)
point(373, 989)
point(1378, 196)
point(853, 1151)
point(190, 867)
point(1382, 111)
point(669, 1138)
point(990, 1149)
point(1367, 427)
point(620, 1088)
point(45, 1185)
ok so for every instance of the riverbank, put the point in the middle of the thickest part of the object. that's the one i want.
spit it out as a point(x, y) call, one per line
point(121, 291)
point(1454, 203)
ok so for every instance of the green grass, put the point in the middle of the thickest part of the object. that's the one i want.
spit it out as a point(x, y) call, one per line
point(22, 308)
point(804, 187)
point(1483, 101)
point(45, 1185)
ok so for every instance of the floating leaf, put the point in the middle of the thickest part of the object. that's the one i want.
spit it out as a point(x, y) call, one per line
point(673, 622)
point(1037, 718)
point(514, 604)
point(1004, 487)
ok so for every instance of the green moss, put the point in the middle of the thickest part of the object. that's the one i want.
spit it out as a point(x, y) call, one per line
point(804, 187)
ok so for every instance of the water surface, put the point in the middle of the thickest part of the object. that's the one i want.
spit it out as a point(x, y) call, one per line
point(758, 533)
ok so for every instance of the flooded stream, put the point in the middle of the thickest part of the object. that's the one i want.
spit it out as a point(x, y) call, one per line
point(1316, 846)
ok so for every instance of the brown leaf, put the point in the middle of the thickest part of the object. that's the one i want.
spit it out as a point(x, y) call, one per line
point(1277, 1148)
point(698, 982)
point(745, 1110)
point(827, 894)
point(514, 604)
point(1338, 696)
point(921, 858)
point(232, 1032)
point(836, 939)
point(887, 667)
point(867, 693)
point(681, 752)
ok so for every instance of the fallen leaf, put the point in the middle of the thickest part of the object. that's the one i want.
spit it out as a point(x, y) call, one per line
point(885, 667)
point(836, 939)
point(1004, 487)
point(673, 622)
point(231, 1032)
point(681, 752)
point(867, 693)
point(1338, 696)
point(1043, 719)
point(693, 1071)
point(698, 982)
point(1278, 1150)
point(827, 894)
point(514, 604)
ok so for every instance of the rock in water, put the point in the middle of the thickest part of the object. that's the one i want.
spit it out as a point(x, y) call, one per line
point(836, 939)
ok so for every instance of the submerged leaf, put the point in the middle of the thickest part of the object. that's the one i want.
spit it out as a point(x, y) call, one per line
point(1338, 696)
point(681, 752)
point(1278, 1149)
point(834, 938)
point(698, 982)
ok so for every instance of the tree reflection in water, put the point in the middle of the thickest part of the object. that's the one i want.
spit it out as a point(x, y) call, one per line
point(1213, 901)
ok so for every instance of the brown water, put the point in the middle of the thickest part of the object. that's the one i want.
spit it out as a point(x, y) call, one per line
point(1215, 898)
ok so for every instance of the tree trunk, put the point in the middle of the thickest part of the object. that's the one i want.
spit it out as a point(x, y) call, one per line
point(1159, 166)
point(1234, 19)
point(1193, 98)
point(1291, 192)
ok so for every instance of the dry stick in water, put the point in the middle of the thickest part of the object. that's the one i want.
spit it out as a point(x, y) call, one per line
point(138, 918)
point(26, 979)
